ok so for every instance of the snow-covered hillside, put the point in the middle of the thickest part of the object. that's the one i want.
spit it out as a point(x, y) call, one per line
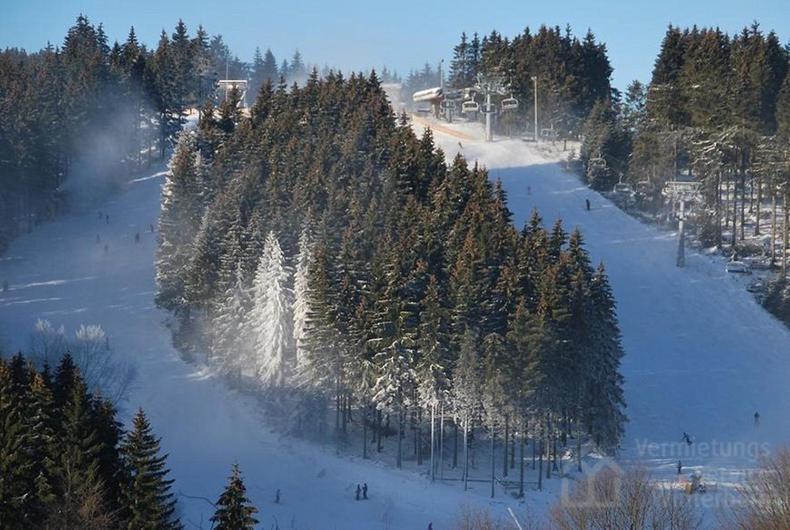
point(702, 356)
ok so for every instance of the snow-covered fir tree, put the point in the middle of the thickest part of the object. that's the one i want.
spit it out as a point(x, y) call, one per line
point(394, 387)
point(301, 302)
point(231, 344)
point(179, 223)
point(234, 509)
point(269, 320)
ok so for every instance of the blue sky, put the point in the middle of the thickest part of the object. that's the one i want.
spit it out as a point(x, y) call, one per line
point(357, 34)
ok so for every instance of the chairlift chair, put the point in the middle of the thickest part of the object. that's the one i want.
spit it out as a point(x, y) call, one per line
point(623, 188)
point(470, 106)
point(510, 103)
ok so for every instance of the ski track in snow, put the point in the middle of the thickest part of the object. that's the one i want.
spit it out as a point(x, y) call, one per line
point(701, 356)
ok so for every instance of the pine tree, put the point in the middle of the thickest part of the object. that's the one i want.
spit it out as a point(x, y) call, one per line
point(606, 401)
point(466, 390)
point(234, 509)
point(393, 389)
point(147, 500)
point(43, 446)
point(459, 69)
point(179, 224)
point(783, 109)
point(269, 69)
point(301, 291)
point(15, 467)
point(297, 69)
point(76, 473)
point(432, 370)
point(270, 318)
point(232, 341)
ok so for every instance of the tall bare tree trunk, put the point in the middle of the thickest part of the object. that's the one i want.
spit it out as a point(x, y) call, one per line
point(466, 453)
point(757, 209)
point(455, 444)
point(773, 225)
point(441, 441)
point(399, 460)
point(505, 446)
point(493, 458)
point(521, 462)
point(433, 441)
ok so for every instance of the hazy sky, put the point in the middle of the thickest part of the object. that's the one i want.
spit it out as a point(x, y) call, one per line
point(357, 34)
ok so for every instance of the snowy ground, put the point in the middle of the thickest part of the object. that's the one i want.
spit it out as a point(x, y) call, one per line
point(702, 356)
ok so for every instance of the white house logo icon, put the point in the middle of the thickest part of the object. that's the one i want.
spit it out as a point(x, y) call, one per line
point(599, 488)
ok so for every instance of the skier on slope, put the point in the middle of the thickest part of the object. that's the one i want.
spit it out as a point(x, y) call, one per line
point(365, 491)
point(587, 203)
point(756, 419)
point(687, 438)
point(359, 490)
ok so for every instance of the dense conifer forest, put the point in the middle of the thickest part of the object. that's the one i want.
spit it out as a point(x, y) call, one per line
point(571, 74)
point(66, 462)
point(326, 257)
point(717, 112)
point(77, 120)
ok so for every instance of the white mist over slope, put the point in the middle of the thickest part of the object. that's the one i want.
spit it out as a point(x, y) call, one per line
point(702, 356)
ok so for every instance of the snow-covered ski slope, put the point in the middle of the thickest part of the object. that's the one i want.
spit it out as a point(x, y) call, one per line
point(701, 355)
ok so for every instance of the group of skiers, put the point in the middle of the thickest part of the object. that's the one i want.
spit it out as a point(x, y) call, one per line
point(698, 486)
point(106, 218)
